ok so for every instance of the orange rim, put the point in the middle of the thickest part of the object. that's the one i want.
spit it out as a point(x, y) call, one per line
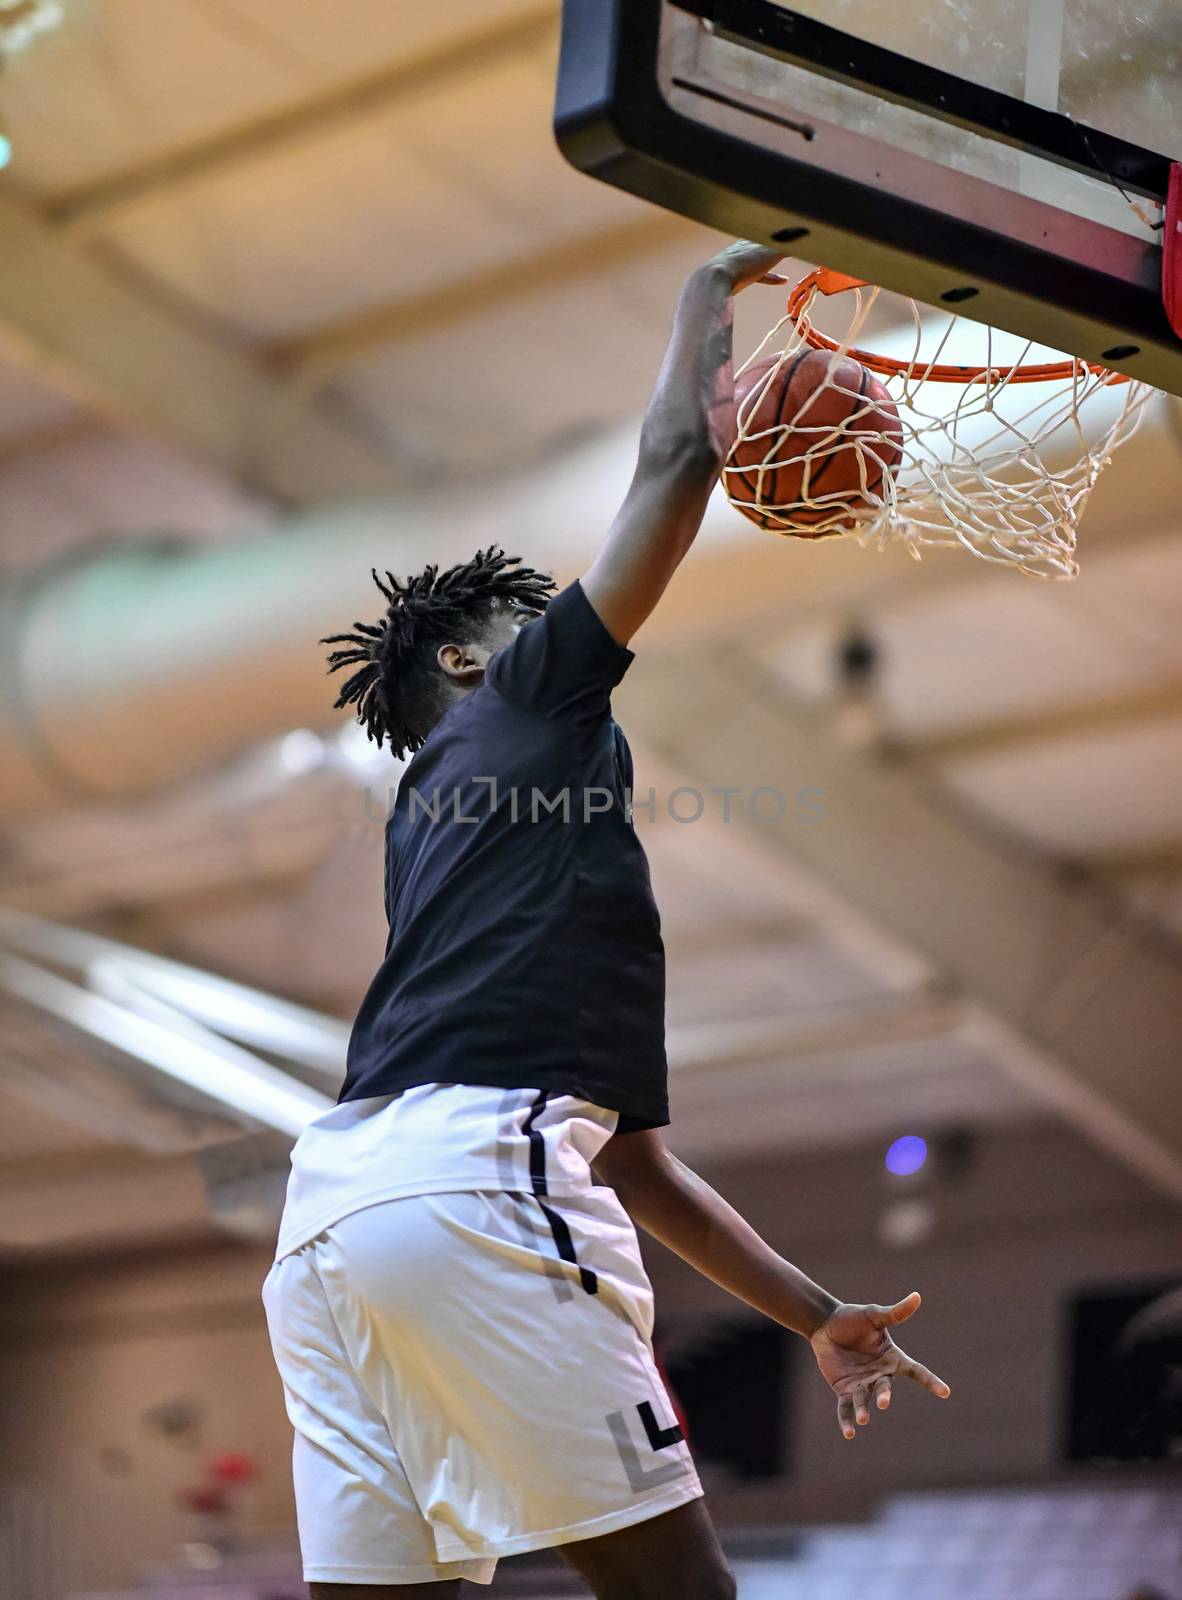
point(825, 281)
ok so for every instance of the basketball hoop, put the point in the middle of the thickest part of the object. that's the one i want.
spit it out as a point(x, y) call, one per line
point(997, 455)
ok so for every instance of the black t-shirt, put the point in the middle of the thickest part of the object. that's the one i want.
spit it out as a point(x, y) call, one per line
point(524, 946)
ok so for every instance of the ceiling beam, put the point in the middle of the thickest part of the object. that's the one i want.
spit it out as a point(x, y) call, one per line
point(100, 1204)
point(1160, 859)
point(805, 1034)
point(182, 853)
point(1087, 717)
point(79, 428)
point(893, 971)
point(1091, 990)
point(78, 330)
point(87, 206)
point(721, 935)
point(521, 279)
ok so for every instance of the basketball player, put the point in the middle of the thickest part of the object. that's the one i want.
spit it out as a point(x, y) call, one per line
point(458, 1306)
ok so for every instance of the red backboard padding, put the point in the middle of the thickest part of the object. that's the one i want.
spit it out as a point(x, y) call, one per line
point(1171, 255)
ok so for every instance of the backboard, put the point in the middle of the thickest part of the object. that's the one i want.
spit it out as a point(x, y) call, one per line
point(1006, 158)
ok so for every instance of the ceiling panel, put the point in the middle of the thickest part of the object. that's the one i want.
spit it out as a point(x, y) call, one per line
point(347, 37)
point(840, 1100)
point(29, 408)
point(1100, 794)
point(323, 229)
point(387, 207)
point(1000, 645)
point(796, 977)
point(568, 359)
point(979, 654)
point(29, 1131)
point(1035, 645)
point(105, 485)
point(496, 136)
point(123, 81)
point(698, 877)
point(119, 82)
point(1130, 596)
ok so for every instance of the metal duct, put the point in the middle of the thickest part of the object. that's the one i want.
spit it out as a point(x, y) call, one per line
point(144, 664)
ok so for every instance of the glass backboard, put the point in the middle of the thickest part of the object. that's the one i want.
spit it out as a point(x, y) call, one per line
point(1010, 156)
point(1109, 64)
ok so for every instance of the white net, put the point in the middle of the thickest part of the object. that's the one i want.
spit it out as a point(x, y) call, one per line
point(997, 453)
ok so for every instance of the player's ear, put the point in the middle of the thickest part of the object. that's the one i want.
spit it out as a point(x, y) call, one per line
point(463, 664)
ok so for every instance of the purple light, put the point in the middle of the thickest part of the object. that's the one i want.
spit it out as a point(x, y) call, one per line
point(907, 1155)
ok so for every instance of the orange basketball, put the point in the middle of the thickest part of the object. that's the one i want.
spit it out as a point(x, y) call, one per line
point(817, 442)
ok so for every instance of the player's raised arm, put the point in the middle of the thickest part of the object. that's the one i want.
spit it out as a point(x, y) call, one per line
point(684, 439)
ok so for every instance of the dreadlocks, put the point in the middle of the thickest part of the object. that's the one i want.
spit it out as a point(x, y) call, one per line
point(395, 690)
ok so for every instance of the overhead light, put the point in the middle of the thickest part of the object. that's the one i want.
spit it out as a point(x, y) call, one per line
point(249, 1017)
point(184, 1023)
point(362, 756)
point(301, 751)
point(22, 20)
point(907, 1155)
point(164, 1038)
point(906, 1223)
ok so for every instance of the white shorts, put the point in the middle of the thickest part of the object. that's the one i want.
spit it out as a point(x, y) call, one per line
point(470, 1375)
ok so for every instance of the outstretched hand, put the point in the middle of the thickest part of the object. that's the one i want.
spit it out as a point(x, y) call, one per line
point(859, 1360)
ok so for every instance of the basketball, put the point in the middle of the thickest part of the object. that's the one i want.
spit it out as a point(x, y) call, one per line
point(816, 439)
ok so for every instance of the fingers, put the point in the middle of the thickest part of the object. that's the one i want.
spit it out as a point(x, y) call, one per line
point(889, 1316)
point(845, 1415)
point(749, 263)
point(853, 1409)
point(918, 1373)
point(861, 1405)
